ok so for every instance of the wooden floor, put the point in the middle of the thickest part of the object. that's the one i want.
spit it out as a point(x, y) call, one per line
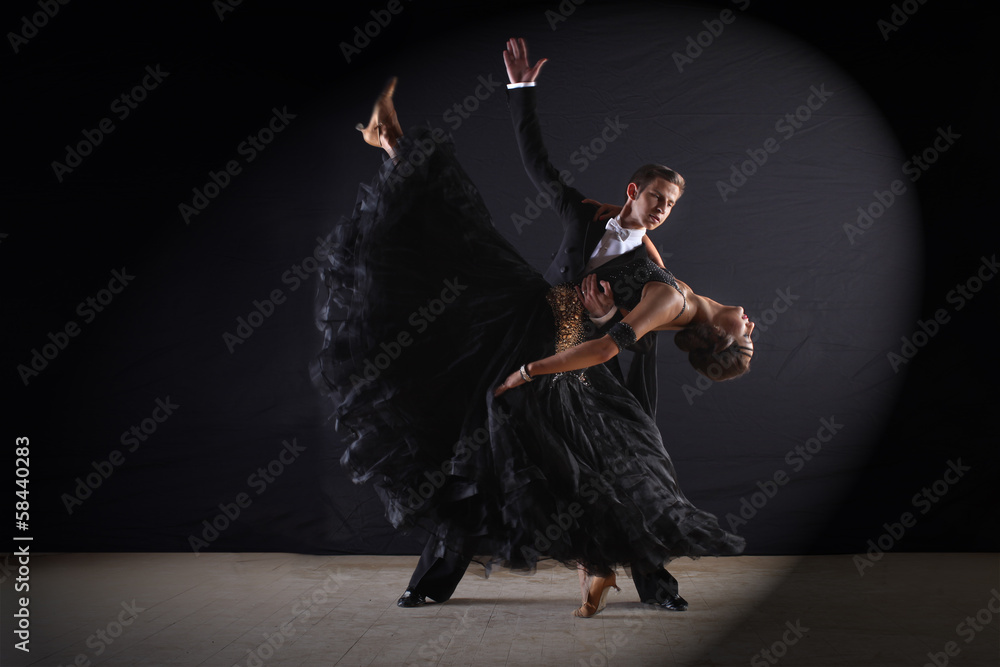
point(253, 609)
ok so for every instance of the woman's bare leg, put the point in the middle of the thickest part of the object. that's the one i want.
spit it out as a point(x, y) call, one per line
point(584, 583)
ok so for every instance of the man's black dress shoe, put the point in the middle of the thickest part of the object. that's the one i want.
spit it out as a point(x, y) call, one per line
point(673, 603)
point(411, 598)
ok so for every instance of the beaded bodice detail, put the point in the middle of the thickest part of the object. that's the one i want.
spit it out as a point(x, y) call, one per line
point(628, 279)
point(569, 317)
point(568, 313)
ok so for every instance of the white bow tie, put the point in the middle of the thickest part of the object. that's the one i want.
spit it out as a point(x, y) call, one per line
point(618, 230)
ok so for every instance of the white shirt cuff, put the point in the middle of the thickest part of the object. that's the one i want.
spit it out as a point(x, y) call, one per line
point(522, 84)
point(600, 321)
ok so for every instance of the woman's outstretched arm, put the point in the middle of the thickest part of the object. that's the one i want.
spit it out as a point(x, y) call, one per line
point(660, 305)
point(584, 355)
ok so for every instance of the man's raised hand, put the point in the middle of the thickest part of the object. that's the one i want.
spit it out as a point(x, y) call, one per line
point(516, 60)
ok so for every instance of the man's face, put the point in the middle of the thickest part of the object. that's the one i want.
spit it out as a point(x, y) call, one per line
point(652, 206)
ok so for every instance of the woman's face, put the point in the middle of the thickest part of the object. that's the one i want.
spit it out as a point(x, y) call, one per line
point(736, 322)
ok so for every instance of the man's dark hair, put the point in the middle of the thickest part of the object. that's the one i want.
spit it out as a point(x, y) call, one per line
point(647, 172)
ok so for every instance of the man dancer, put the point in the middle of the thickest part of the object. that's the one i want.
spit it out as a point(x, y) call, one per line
point(587, 243)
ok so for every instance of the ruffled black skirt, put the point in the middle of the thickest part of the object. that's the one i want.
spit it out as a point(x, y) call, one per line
point(426, 309)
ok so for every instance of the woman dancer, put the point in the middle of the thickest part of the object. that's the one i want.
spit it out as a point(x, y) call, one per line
point(439, 309)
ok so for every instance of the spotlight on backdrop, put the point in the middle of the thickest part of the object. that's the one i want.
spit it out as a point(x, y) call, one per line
point(799, 206)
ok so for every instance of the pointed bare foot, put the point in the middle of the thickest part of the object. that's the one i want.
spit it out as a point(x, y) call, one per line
point(383, 128)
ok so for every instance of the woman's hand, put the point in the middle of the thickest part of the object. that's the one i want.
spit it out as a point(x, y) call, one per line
point(516, 60)
point(513, 380)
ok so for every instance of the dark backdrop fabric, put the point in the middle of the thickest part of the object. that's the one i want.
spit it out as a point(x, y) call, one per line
point(808, 113)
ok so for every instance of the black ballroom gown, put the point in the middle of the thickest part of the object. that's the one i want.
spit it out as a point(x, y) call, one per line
point(426, 309)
